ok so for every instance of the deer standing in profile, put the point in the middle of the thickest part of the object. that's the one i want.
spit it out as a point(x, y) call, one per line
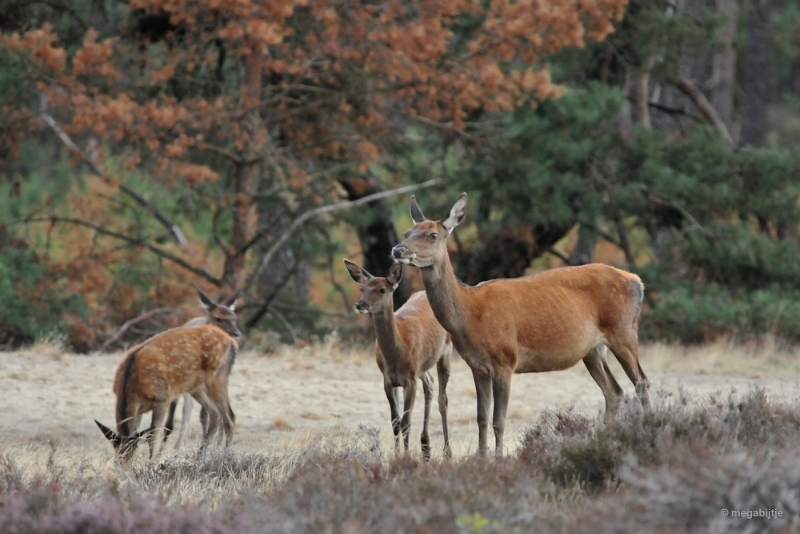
point(409, 343)
point(186, 359)
point(543, 322)
point(222, 315)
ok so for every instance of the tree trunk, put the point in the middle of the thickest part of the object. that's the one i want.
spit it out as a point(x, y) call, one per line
point(755, 75)
point(507, 253)
point(377, 234)
point(245, 214)
point(583, 253)
point(723, 74)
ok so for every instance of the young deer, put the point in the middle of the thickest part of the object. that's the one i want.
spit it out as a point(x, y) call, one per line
point(543, 322)
point(409, 343)
point(222, 315)
point(159, 370)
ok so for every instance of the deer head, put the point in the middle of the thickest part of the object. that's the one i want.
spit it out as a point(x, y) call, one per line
point(426, 242)
point(376, 292)
point(124, 446)
point(221, 315)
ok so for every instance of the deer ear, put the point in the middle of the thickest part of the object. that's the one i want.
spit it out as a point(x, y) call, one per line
point(395, 274)
point(359, 275)
point(416, 212)
point(108, 433)
point(231, 302)
point(205, 300)
point(457, 213)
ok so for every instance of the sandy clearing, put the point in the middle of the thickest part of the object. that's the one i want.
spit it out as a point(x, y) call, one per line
point(305, 395)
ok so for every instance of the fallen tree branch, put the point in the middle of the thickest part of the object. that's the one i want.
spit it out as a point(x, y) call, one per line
point(267, 257)
point(132, 241)
point(706, 108)
point(132, 322)
point(179, 236)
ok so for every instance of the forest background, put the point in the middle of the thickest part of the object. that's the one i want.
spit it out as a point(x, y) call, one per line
point(149, 144)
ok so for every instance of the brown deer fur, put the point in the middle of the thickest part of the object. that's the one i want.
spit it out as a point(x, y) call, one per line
point(159, 370)
point(409, 343)
point(543, 322)
point(222, 315)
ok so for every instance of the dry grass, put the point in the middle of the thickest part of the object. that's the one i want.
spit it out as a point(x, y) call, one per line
point(51, 346)
point(763, 359)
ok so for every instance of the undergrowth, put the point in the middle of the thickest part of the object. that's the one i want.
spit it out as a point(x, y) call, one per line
point(677, 467)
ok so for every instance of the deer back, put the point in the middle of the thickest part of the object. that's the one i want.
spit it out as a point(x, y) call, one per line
point(171, 363)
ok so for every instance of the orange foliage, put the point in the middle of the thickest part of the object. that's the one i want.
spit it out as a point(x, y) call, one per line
point(285, 85)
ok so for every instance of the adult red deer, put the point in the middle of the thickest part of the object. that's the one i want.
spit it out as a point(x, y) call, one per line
point(222, 315)
point(152, 374)
point(409, 343)
point(543, 322)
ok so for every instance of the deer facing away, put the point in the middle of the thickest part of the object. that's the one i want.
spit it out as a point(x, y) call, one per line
point(543, 322)
point(222, 315)
point(159, 370)
point(409, 343)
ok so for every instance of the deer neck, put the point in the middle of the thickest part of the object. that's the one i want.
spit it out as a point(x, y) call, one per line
point(388, 336)
point(446, 296)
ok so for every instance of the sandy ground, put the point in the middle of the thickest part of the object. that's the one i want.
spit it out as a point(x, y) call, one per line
point(304, 395)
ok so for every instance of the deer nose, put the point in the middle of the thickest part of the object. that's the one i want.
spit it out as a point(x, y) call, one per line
point(398, 251)
point(360, 305)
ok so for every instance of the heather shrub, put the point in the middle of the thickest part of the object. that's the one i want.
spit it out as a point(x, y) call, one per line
point(672, 468)
point(570, 450)
point(37, 514)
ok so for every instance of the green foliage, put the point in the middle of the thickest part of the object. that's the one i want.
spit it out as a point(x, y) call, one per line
point(28, 312)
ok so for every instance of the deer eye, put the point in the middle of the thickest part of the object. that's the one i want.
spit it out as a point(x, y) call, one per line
point(433, 237)
point(383, 290)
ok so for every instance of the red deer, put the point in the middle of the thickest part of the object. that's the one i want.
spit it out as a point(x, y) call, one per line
point(542, 322)
point(222, 315)
point(187, 359)
point(409, 343)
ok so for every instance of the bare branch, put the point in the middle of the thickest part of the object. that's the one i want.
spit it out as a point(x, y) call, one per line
point(559, 255)
point(300, 309)
point(136, 320)
point(179, 236)
point(214, 230)
point(328, 209)
point(132, 241)
point(223, 152)
point(264, 306)
point(706, 108)
point(286, 324)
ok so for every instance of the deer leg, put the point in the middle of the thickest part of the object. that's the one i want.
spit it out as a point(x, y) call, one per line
point(612, 392)
point(393, 404)
point(427, 390)
point(501, 390)
point(218, 393)
point(483, 390)
point(187, 414)
point(627, 355)
point(410, 393)
point(209, 431)
point(169, 426)
point(443, 371)
point(160, 414)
